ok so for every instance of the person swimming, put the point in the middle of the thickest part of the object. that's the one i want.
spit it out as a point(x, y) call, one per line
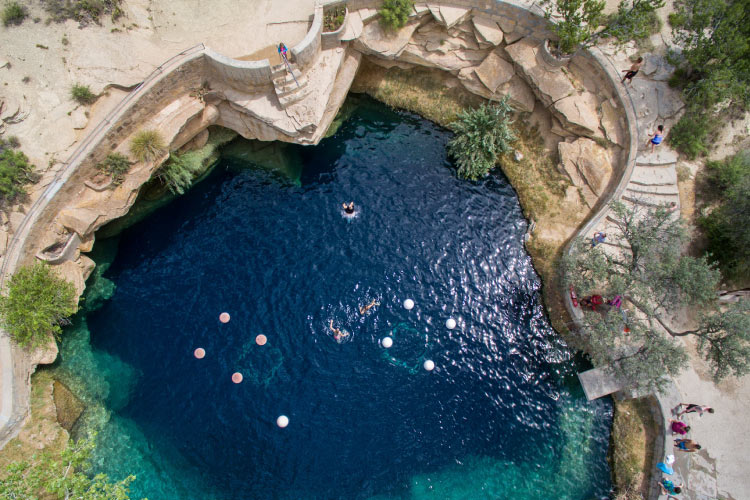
point(338, 335)
point(349, 210)
point(364, 309)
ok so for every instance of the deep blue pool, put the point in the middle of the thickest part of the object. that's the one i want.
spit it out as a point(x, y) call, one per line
point(501, 416)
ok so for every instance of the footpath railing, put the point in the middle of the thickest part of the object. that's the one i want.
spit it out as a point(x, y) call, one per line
point(9, 414)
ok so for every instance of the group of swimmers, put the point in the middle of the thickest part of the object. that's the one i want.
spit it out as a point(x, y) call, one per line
point(338, 334)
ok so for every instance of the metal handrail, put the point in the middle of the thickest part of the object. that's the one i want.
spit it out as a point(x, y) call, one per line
point(11, 255)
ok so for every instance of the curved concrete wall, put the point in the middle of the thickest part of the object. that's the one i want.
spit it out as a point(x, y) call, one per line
point(306, 52)
point(239, 74)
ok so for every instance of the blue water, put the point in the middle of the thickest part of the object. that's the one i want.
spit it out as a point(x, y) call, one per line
point(501, 416)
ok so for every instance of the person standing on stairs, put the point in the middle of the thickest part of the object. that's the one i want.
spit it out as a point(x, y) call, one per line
point(656, 137)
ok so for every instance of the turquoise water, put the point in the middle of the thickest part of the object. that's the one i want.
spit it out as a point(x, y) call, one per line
point(501, 416)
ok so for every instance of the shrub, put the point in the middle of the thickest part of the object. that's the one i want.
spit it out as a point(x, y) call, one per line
point(82, 94)
point(83, 11)
point(179, 171)
point(15, 171)
point(728, 238)
point(37, 303)
point(690, 135)
point(481, 135)
point(334, 18)
point(116, 166)
point(395, 13)
point(147, 145)
point(14, 13)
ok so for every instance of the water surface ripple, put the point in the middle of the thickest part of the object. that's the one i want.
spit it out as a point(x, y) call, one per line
point(501, 416)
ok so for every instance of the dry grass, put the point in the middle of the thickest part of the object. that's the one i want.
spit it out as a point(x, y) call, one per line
point(420, 90)
point(631, 450)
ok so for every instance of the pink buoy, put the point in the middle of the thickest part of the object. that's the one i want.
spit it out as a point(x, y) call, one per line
point(236, 377)
point(199, 353)
point(224, 317)
point(261, 339)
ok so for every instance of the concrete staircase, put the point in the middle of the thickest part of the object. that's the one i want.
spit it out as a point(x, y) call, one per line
point(287, 89)
point(652, 184)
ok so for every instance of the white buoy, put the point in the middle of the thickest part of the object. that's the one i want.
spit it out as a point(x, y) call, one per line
point(386, 342)
point(429, 365)
point(282, 421)
point(450, 323)
point(408, 304)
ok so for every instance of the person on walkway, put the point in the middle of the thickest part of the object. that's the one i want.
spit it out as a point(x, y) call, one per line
point(679, 427)
point(630, 73)
point(338, 335)
point(364, 309)
point(592, 302)
point(616, 301)
point(598, 237)
point(656, 137)
point(670, 489)
point(687, 445)
point(282, 50)
point(693, 408)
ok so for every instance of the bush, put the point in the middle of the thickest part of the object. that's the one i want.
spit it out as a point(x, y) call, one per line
point(334, 18)
point(116, 166)
point(37, 303)
point(83, 11)
point(15, 171)
point(14, 13)
point(690, 135)
point(147, 145)
point(179, 171)
point(395, 13)
point(82, 94)
point(481, 135)
point(728, 238)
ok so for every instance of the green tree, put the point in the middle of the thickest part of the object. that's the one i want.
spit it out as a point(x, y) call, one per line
point(481, 135)
point(581, 23)
point(394, 14)
point(180, 170)
point(643, 263)
point(713, 59)
point(14, 13)
point(147, 145)
point(38, 302)
point(728, 183)
point(82, 94)
point(61, 478)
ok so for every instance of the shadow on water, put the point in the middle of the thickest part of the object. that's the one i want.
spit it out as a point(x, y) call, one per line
point(501, 416)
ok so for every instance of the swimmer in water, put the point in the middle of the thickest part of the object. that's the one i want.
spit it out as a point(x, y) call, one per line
point(348, 209)
point(338, 335)
point(364, 309)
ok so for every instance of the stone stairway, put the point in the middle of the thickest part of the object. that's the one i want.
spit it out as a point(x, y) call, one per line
point(652, 184)
point(287, 89)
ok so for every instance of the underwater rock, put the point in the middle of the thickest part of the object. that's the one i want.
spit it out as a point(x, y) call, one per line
point(69, 407)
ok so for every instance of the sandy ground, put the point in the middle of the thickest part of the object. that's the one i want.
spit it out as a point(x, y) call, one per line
point(41, 62)
point(721, 434)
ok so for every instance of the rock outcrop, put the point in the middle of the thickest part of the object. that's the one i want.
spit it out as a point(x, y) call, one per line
point(69, 407)
point(588, 166)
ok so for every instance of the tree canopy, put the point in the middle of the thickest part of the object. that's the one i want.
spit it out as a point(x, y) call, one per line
point(643, 262)
point(38, 301)
point(713, 55)
point(61, 478)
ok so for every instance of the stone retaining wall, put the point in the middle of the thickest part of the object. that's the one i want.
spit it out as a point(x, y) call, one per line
point(239, 74)
point(305, 53)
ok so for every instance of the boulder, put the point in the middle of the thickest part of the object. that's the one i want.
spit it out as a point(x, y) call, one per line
point(549, 85)
point(453, 15)
point(488, 30)
point(453, 61)
point(578, 113)
point(520, 95)
point(669, 101)
point(494, 71)
point(68, 406)
point(80, 118)
point(374, 40)
point(435, 11)
point(80, 220)
point(588, 166)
